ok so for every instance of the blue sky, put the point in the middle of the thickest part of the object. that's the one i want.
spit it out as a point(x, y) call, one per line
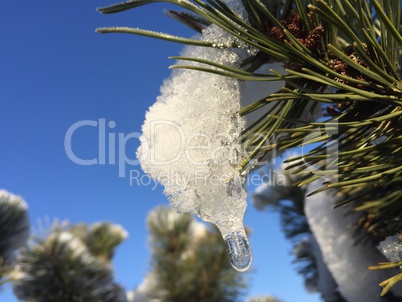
point(56, 71)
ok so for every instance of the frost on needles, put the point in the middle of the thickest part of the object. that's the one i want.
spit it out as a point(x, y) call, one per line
point(190, 144)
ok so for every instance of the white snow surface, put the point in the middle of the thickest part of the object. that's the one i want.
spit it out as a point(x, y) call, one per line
point(346, 260)
point(17, 201)
point(326, 284)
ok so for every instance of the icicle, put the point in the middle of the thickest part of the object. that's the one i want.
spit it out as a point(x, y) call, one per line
point(238, 250)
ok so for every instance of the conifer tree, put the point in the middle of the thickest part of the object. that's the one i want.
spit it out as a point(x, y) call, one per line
point(189, 262)
point(14, 229)
point(70, 265)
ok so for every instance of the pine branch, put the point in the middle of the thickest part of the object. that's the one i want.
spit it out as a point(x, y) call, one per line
point(100, 238)
point(342, 56)
point(189, 261)
point(62, 268)
point(14, 230)
point(297, 40)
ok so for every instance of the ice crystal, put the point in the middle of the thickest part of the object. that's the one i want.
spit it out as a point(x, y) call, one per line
point(391, 248)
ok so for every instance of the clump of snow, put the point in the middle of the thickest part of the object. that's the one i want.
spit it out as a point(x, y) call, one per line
point(14, 200)
point(76, 246)
point(190, 138)
point(113, 230)
point(391, 248)
point(190, 142)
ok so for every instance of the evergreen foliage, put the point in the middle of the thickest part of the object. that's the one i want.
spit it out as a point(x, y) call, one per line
point(72, 263)
point(189, 262)
point(100, 238)
point(14, 229)
point(343, 56)
point(61, 267)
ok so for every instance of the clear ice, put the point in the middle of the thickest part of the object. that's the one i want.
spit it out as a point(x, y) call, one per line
point(238, 250)
point(190, 144)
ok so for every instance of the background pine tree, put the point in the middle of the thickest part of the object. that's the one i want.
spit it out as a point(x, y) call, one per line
point(72, 263)
point(14, 229)
point(189, 262)
point(69, 265)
